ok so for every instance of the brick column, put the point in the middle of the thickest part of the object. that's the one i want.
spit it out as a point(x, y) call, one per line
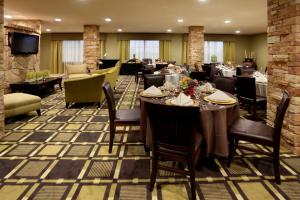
point(196, 45)
point(1, 70)
point(91, 45)
point(284, 66)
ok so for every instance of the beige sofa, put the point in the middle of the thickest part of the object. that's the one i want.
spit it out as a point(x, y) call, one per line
point(21, 103)
point(77, 71)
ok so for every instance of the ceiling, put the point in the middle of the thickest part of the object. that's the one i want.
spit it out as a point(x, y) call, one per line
point(153, 16)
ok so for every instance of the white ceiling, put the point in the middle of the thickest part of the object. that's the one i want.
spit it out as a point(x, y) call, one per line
point(155, 16)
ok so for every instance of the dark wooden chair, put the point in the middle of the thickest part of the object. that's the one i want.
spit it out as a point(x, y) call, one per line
point(160, 66)
point(226, 84)
point(214, 72)
point(153, 79)
point(246, 93)
point(121, 117)
point(259, 133)
point(200, 76)
point(174, 138)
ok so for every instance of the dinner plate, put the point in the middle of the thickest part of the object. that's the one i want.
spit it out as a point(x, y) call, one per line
point(152, 96)
point(171, 102)
point(220, 102)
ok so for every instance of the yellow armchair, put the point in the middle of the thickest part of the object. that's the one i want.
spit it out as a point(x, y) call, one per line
point(84, 90)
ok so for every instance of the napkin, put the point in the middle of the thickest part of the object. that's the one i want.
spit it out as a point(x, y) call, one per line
point(207, 87)
point(169, 86)
point(171, 65)
point(183, 100)
point(156, 72)
point(152, 91)
point(219, 96)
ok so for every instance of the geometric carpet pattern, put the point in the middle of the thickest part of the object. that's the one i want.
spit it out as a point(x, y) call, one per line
point(63, 154)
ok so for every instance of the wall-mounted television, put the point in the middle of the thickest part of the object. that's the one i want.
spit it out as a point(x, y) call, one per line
point(21, 43)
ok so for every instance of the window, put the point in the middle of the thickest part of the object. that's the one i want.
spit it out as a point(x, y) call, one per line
point(213, 51)
point(144, 49)
point(72, 51)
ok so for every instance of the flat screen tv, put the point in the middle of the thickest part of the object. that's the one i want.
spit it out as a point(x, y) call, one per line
point(21, 43)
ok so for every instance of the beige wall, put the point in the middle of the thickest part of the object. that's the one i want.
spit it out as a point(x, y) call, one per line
point(256, 43)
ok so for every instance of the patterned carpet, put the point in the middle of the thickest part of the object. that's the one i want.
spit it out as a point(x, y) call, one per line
point(63, 154)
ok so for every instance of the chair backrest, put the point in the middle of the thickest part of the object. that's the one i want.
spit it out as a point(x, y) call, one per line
point(160, 66)
point(153, 79)
point(245, 88)
point(207, 69)
point(110, 101)
point(200, 76)
point(226, 84)
point(281, 110)
point(213, 73)
point(173, 127)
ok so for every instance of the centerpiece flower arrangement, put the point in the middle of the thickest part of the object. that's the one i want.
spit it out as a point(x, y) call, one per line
point(188, 85)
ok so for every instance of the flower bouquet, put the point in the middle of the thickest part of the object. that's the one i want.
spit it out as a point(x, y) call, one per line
point(188, 85)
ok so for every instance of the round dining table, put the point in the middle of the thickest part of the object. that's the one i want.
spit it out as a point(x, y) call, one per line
point(214, 121)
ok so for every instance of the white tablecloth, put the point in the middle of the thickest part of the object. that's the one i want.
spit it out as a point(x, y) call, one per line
point(261, 89)
point(228, 72)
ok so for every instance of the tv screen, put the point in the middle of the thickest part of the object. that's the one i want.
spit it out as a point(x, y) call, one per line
point(21, 43)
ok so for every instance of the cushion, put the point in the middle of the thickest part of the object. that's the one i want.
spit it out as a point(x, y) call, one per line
point(76, 69)
point(15, 100)
point(75, 76)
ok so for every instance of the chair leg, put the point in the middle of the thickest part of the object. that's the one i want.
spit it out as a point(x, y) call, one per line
point(38, 112)
point(192, 180)
point(153, 172)
point(231, 151)
point(111, 137)
point(276, 163)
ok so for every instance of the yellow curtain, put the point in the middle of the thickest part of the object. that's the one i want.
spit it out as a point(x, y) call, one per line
point(102, 48)
point(229, 52)
point(124, 50)
point(185, 52)
point(164, 49)
point(56, 57)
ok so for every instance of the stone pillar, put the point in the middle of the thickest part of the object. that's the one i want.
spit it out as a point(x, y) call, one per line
point(91, 45)
point(284, 66)
point(196, 45)
point(1, 70)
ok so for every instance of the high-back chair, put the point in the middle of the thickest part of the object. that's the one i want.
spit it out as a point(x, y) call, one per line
point(153, 79)
point(121, 117)
point(246, 92)
point(174, 138)
point(226, 84)
point(260, 133)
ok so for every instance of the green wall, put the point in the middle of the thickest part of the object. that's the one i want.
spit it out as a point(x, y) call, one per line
point(255, 43)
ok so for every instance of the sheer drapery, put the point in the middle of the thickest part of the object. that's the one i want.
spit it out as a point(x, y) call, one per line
point(229, 52)
point(56, 57)
point(185, 52)
point(213, 49)
point(144, 49)
point(102, 49)
point(72, 52)
point(164, 49)
point(124, 50)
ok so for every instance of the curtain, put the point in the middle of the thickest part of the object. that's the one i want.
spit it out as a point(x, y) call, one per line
point(102, 49)
point(56, 57)
point(164, 49)
point(72, 51)
point(213, 51)
point(185, 52)
point(229, 52)
point(124, 50)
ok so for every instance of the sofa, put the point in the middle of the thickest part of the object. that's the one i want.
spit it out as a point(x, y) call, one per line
point(89, 89)
point(75, 71)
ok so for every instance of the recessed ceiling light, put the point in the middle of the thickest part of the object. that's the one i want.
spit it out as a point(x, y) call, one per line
point(237, 31)
point(107, 19)
point(227, 21)
point(202, 1)
point(169, 30)
point(120, 30)
point(58, 19)
point(8, 17)
point(48, 29)
point(180, 20)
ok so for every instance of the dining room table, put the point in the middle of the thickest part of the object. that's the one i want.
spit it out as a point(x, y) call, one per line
point(214, 121)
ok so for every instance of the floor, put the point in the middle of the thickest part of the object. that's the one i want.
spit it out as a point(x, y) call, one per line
point(63, 154)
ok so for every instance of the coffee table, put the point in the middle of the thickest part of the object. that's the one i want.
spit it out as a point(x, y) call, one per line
point(39, 88)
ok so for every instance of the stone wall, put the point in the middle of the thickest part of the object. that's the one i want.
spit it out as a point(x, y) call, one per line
point(16, 66)
point(1, 71)
point(284, 66)
point(196, 45)
point(91, 45)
